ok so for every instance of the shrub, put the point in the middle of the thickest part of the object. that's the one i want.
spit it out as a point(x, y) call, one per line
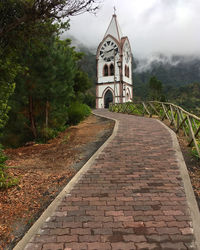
point(90, 100)
point(46, 134)
point(6, 180)
point(77, 112)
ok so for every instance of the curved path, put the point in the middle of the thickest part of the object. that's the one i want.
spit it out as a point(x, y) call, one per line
point(134, 193)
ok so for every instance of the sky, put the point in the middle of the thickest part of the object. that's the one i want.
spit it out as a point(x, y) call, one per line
point(152, 26)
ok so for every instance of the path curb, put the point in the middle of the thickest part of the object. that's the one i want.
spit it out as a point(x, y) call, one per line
point(192, 203)
point(66, 191)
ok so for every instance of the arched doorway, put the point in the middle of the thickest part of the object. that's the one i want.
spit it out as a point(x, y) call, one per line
point(108, 98)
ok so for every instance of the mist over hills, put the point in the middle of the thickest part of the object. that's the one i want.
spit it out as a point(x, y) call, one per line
point(174, 70)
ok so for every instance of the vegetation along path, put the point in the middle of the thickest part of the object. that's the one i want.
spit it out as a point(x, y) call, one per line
point(134, 193)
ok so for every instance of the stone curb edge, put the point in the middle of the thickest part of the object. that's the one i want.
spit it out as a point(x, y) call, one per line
point(66, 190)
point(191, 200)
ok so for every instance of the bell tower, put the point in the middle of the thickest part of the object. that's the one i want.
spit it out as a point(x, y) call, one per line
point(114, 67)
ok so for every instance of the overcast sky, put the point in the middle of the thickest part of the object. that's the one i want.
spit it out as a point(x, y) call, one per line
point(166, 26)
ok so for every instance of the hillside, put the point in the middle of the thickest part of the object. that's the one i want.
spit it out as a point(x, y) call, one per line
point(180, 76)
point(174, 70)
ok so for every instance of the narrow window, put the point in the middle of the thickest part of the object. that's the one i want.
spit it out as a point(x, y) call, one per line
point(127, 71)
point(105, 70)
point(112, 70)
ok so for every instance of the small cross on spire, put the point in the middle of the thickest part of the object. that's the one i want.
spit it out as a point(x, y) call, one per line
point(114, 10)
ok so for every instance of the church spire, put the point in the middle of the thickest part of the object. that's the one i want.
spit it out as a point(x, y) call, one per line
point(113, 28)
point(114, 10)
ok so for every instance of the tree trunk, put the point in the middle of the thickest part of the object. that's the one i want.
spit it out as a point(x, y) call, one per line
point(47, 114)
point(31, 117)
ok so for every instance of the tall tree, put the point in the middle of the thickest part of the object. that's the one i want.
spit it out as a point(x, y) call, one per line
point(44, 91)
point(22, 22)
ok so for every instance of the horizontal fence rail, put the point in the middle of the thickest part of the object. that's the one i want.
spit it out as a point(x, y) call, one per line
point(180, 119)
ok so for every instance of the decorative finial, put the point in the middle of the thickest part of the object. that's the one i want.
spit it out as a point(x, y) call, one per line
point(114, 10)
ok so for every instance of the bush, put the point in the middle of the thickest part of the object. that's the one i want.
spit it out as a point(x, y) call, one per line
point(46, 134)
point(90, 100)
point(6, 181)
point(77, 112)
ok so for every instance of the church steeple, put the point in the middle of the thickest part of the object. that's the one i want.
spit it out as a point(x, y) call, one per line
point(114, 29)
point(114, 67)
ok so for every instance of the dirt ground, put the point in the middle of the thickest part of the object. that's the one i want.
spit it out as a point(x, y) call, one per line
point(43, 171)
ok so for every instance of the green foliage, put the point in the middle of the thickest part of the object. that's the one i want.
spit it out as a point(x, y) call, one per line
point(15, 15)
point(77, 112)
point(39, 74)
point(6, 180)
point(155, 87)
point(47, 133)
point(81, 82)
point(6, 91)
point(129, 107)
point(43, 92)
point(8, 72)
point(26, 27)
point(90, 100)
point(194, 150)
point(88, 64)
point(15, 36)
point(187, 96)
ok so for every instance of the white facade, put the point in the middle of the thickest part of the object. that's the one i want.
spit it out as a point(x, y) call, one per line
point(114, 68)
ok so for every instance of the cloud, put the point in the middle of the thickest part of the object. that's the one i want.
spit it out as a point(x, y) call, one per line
point(145, 64)
point(165, 26)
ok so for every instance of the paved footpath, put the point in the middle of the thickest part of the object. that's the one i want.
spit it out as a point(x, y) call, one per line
point(132, 196)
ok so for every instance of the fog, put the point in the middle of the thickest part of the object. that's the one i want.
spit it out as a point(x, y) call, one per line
point(152, 26)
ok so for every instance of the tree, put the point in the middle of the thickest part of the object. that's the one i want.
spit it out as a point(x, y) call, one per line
point(8, 73)
point(24, 22)
point(155, 87)
point(16, 13)
point(44, 91)
point(81, 82)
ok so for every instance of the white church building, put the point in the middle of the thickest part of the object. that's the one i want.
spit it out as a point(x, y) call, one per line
point(114, 67)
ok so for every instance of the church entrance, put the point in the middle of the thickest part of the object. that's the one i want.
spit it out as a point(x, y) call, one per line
point(108, 98)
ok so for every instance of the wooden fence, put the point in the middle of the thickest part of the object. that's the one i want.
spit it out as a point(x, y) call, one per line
point(180, 119)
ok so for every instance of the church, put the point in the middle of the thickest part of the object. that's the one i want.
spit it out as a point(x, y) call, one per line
point(114, 67)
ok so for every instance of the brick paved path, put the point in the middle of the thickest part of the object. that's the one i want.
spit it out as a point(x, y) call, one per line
point(132, 197)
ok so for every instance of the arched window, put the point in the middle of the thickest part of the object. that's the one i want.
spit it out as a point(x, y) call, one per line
point(112, 69)
point(126, 71)
point(105, 70)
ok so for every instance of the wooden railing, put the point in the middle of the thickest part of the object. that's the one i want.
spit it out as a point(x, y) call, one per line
point(180, 119)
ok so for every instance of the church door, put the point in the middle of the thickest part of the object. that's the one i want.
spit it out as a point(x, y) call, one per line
point(108, 98)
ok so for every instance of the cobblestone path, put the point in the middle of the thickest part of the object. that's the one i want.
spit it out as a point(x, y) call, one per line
point(132, 196)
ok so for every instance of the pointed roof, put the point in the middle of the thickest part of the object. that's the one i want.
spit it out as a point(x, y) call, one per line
point(114, 29)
